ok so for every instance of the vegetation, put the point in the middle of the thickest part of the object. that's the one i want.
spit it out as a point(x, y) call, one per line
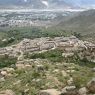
point(46, 74)
point(31, 80)
point(56, 56)
point(7, 42)
point(14, 35)
point(6, 61)
point(78, 35)
point(82, 62)
point(52, 55)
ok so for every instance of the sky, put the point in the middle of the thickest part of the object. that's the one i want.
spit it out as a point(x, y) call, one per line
point(48, 3)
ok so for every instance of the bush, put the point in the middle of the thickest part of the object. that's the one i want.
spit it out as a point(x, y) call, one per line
point(6, 61)
point(78, 35)
point(37, 55)
point(52, 55)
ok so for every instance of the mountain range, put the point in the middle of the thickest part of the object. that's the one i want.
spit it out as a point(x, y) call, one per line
point(36, 4)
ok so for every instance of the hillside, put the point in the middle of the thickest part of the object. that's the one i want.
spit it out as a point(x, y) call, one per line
point(83, 23)
point(46, 65)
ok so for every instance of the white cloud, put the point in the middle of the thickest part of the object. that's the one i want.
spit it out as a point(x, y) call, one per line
point(25, 0)
point(45, 3)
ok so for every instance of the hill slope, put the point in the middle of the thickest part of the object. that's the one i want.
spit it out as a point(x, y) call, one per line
point(83, 23)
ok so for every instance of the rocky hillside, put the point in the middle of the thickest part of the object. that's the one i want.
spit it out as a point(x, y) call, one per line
point(48, 66)
point(43, 77)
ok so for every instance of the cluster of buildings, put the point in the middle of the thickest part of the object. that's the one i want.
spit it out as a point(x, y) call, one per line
point(23, 19)
point(68, 44)
point(19, 23)
point(23, 23)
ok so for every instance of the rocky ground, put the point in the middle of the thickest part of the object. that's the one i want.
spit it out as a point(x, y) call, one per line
point(42, 77)
point(53, 71)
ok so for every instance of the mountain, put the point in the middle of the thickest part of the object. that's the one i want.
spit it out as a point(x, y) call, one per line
point(35, 4)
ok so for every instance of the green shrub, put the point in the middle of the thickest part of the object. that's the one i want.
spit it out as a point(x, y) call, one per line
point(52, 55)
point(6, 61)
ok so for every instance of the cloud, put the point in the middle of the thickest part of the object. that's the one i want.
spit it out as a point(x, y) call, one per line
point(25, 0)
point(45, 3)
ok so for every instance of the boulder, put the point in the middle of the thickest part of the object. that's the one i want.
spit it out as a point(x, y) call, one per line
point(69, 90)
point(3, 73)
point(70, 81)
point(9, 69)
point(40, 67)
point(2, 79)
point(70, 71)
point(91, 86)
point(64, 73)
point(50, 92)
point(74, 92)
point(67, 54)
point(93, 69)
point(20, 66)
point(56, 71)
point(83, 91)
point(7, 92)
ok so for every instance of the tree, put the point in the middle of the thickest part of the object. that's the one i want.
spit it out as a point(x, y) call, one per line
point(78, 35)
